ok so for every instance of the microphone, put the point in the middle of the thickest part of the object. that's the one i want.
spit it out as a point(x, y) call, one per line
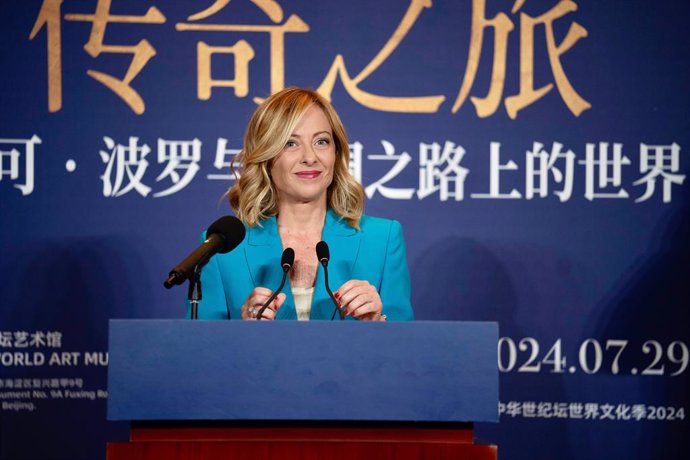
point(323, 254)
point(222, 236)
point(286, 262)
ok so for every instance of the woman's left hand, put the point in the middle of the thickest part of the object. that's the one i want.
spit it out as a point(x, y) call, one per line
point(360, 299)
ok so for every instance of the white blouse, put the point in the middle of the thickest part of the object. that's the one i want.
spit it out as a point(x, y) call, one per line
point(303, 297)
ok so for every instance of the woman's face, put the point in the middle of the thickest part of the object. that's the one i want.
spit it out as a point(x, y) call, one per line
point(303, 170)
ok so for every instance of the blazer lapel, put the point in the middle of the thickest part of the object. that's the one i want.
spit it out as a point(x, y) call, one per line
point(343, 243)
point(263, 252)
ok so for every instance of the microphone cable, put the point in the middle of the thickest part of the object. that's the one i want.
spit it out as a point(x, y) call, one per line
point(323, 254)
point(286, 262)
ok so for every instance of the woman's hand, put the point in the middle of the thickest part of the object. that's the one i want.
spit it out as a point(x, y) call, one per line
point(360, 299)
point(257, 299)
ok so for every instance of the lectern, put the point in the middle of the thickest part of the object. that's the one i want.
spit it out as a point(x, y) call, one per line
point(291, 389)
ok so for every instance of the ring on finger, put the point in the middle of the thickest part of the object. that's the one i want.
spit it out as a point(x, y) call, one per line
point(252, 312)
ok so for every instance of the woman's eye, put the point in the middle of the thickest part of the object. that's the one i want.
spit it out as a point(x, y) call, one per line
point(323, 141)
point(290, 144)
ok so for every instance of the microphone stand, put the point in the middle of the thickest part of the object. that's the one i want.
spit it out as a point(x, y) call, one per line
point(324, 262)
point(194, 291)
point(286, 269)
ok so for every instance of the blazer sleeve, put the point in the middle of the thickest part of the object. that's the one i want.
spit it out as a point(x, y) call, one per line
point(395, 280)
point(213, 304)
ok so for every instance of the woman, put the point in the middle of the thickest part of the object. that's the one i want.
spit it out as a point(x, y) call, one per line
point(295, 190)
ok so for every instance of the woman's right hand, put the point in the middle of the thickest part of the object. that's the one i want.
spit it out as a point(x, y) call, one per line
point(257, 298)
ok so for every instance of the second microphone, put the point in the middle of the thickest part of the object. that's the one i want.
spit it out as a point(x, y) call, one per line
point(286, 262)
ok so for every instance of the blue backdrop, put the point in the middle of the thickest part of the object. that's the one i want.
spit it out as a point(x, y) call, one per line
point(535, 152)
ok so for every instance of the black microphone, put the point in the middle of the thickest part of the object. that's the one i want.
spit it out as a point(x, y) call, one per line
point(286, 262)
point(323, 254)
point(222, 236)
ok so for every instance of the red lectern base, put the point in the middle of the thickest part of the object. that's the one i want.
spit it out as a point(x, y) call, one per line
point(296, 440)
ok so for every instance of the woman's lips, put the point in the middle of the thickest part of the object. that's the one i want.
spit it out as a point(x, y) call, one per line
point(308, 174)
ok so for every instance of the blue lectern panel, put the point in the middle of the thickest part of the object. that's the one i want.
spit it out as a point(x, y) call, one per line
point(227, 370)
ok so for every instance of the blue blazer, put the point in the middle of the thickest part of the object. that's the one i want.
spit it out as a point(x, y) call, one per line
point(375, 253)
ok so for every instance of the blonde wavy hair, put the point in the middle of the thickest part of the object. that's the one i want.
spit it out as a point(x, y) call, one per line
point(254, 197)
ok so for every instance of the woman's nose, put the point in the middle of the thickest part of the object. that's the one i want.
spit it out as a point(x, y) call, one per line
point(308, 155)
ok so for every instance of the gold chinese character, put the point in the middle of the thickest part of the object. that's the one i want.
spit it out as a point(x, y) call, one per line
point(242, 50)
point(49, 16)
point(528, 94)
point(425, 104)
